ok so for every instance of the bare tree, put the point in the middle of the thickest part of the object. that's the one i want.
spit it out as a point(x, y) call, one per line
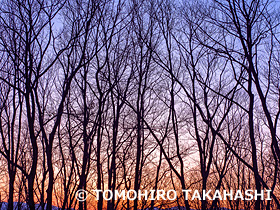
point(138, 95)
point(247, 24)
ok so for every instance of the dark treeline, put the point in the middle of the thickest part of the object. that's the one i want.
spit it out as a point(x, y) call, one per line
point(139, 95)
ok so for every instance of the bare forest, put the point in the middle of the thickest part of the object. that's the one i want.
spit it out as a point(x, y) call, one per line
point(139, 95)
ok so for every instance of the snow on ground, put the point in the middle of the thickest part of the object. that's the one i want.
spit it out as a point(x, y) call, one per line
point(24, 206)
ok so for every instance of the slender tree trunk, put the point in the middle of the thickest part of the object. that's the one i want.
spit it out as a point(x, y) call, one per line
point(50, 178)
point(32, 174)
point(112, 172)
point(30, 180)
point(253, 143)
point(12, 174)
point(98, 155)
point(138, 158)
